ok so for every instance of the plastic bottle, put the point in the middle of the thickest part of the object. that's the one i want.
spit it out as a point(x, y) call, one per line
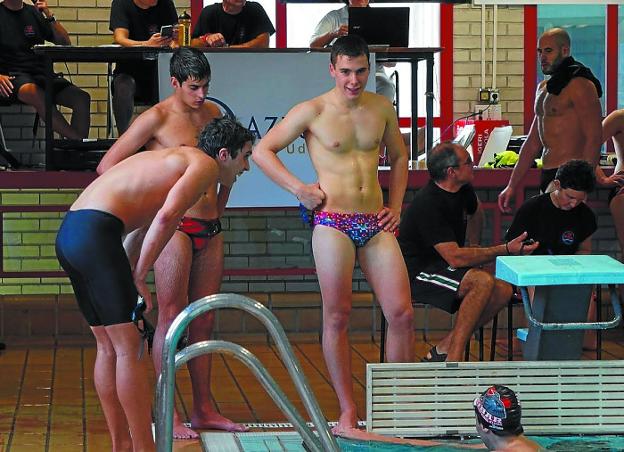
point(184, 29)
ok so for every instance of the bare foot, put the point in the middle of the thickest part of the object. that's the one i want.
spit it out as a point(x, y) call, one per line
point(181, 431)
point(346, 424)
point(216, 422)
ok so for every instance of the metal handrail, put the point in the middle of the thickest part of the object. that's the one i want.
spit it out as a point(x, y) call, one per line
point(166, 382)
point(554, 326)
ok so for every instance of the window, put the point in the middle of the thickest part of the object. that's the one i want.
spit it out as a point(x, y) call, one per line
point(586, 25)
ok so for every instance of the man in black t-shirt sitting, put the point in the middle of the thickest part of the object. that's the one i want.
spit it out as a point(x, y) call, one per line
point(432, 236)
point(561, 221)
point(233, 23)
point(22, 73)
point(138, 23)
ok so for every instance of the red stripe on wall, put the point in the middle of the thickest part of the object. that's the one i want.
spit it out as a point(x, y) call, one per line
point(281, 32)
point(530, 64)
point(446, 69)
point(612, 55)
point(196, 7)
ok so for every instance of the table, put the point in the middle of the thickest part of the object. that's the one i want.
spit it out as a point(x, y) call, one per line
point(108, 54)
point(563, 286)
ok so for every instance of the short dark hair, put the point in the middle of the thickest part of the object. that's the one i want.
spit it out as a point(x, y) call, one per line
point(351, 46)
point(189, 63)
point(226, 133)
point(577, 175)
point(442, 156)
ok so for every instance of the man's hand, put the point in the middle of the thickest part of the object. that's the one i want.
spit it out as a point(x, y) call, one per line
point(342, 31)
point(214, 40)
point(515, 247)
point(504, 199)
point(389, 219)
point(614, 180)
point(42, 5)
point(144, 291)
point(156, 40)
point(311, 196)
point(6, 87)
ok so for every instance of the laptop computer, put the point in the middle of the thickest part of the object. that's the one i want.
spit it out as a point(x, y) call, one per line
point(381, 26)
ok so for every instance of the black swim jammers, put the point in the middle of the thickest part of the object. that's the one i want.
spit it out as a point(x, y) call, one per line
point(89, 248)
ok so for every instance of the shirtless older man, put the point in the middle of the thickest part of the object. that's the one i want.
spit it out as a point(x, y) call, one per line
point(567, 115)
point(343, 128)
point(191, 265)
point(152, 190)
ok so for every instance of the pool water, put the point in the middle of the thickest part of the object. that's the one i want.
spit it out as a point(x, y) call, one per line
point(291, 442)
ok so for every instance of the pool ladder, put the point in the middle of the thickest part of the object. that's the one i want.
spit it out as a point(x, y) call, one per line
point(165, 387)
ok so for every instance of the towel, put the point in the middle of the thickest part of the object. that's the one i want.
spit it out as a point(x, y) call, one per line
point(567, 70)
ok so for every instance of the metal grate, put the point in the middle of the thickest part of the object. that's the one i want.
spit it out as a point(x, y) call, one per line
point(435, 399)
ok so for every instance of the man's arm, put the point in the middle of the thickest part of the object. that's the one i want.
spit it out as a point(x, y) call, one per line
point(395, 147)
point(459, 257)
point(589, 111)
point(259, 42)
point(284, 133)
point(139, 133)
point(222, 198)
point(528, 152)
point(475, 227)
point(121, 36)
point(59, 34)
point(198, 176)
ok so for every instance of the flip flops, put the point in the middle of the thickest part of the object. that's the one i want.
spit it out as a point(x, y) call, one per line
point(435, 357)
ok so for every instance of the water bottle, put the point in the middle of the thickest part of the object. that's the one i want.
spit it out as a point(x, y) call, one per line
point(184, 29)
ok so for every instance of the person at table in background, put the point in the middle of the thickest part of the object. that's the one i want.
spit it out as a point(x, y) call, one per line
point(499, 421)
point(342, 129)
point(233, 23)
point(336, 24)
point(561, 221)
point(444, 272)
point(195, 253)
point(567, 116)
point(138, 23)
point(22, 73)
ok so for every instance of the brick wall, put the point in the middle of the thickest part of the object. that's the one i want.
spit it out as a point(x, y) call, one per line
point(87, 24)
point(467, 60)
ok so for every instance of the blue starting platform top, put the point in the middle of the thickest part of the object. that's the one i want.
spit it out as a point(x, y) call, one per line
point(559, 270)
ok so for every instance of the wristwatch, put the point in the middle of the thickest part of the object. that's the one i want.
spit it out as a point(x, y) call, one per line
point(51, 19)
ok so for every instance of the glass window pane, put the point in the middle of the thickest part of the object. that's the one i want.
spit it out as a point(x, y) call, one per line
point(586, 26)
point(424, 32)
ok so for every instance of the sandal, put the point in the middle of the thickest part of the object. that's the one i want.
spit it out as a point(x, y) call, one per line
point(434, 357)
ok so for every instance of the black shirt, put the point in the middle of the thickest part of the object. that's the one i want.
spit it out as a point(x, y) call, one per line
point(239, 28)
point(141, 23)
point(19, 32)
point(558, 231)
point(434, 216)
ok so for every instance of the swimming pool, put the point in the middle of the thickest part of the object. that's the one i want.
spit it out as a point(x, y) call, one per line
point(291, 442)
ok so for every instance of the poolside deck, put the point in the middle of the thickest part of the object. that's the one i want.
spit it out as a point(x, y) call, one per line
point(48, 402)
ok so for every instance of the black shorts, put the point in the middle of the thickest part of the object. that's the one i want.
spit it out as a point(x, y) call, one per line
point(89, 248)
point(22, 78)
point(439, 288)
point(145, 77)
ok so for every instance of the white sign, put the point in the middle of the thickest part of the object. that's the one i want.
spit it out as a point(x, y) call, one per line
point(259, 89)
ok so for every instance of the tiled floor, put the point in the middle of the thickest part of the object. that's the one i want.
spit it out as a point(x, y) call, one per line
point(48, 402)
